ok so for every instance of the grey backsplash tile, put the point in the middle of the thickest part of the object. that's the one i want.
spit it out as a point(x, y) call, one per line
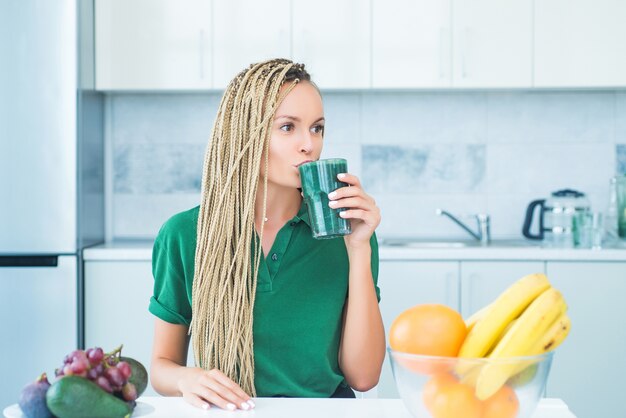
point(467, 152)
point(620, 117)
point(543, 168)
point(342, 114)
point(440, 168)
point(551, 117)
point(158, 168)
point(620, 154)
point(393, 118)
point(141, 215)
point(164, 118)
point(413, 214)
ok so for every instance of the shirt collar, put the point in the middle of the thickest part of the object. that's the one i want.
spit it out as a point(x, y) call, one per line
point(303, 214)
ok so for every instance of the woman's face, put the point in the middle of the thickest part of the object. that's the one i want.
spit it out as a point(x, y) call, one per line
point(297, 133)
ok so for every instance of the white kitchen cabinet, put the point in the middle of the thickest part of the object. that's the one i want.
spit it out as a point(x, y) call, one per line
point(492, 43)
point(588, 368)
point(411, 43)
point(404, 284)
point(580, 43)
point(430, 43)
point(333, 39)
point(117, 294)
point(153, 44)
point(248, 31)
point(483, 281)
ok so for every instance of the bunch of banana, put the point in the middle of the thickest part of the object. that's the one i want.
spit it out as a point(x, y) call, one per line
point(527, 319)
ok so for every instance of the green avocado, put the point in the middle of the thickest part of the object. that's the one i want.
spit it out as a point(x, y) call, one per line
point(78, 397)
point(139, 374)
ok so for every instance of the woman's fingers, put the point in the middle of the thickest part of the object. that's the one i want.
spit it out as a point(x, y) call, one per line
point(196, 400)
point(346, 192)
point(354, 214)
point(349, 178)
point(228, 390)
point(204, 388)
point(227, 382)
point(212, 397)
point(351, 202)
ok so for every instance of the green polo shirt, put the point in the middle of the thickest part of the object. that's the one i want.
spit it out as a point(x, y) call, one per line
point(301, 291)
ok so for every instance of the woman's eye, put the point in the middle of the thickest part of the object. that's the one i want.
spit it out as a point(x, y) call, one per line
point(287, 127)
point(318, 129)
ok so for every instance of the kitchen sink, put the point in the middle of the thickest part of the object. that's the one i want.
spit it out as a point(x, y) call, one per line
point(436, 243)
point(411, 243)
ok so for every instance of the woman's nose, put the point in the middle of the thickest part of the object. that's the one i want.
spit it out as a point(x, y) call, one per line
point(306, 144)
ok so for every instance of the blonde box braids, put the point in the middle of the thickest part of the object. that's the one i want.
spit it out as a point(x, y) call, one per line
point(224, 283)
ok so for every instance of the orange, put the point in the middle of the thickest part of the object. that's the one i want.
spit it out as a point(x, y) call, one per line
point(451, 399)
point(437, 384)
point(429, 329)
point(502, 404)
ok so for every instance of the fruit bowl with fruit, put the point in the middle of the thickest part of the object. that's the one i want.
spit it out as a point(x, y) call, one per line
point(444, 387)
point(89, 383)
point(494, 364)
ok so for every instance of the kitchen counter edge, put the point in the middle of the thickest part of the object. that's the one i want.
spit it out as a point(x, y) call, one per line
point(142, 251)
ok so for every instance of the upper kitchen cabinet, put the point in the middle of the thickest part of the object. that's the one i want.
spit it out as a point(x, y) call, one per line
point(153, 44)
point(445, 43)
point(248, 31)
point(580, 43)
point(492, 43)
point(411, 43)
point(333, 39)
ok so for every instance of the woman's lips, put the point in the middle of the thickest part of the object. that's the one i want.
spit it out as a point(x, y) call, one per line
point(303, 162)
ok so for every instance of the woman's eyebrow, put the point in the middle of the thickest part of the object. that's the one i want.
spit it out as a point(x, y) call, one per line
point(297, 119)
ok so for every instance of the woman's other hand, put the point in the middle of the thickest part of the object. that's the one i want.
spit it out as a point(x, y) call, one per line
point(170, 376)
point(362, 211)
point(203, 388)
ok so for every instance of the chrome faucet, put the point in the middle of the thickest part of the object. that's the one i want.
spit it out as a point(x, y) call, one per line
point(482, 220)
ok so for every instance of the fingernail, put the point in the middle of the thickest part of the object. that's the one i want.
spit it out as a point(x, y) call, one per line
point(252, 405)
point(244, 405)
point(231, 406)
point(205, 406)
point(332, 203)
point(342, 175)
point(332, 195)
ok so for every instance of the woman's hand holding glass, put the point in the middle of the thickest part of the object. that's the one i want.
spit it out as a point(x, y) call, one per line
point(362, 211)
point(201, 388)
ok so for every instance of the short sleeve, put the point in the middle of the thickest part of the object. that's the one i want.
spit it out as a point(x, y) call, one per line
point(170, 300)
point(375, 262)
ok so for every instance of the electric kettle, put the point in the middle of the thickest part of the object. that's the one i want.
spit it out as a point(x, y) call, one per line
point(556, 217)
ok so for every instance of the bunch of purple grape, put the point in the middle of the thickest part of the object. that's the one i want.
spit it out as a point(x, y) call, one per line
point(104, 369)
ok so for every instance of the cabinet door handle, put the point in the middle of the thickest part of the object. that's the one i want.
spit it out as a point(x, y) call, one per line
point(466, 33)
point(452, 290)
point(201, 47)
point(441, 29)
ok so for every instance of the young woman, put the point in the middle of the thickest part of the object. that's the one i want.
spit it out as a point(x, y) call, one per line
point(270, 310)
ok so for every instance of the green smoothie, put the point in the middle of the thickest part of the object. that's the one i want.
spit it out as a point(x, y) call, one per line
point(319, 178)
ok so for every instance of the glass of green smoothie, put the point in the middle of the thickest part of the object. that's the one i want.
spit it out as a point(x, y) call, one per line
point(319, 178)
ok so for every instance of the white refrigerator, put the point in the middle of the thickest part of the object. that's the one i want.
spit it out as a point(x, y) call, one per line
point(51, 183)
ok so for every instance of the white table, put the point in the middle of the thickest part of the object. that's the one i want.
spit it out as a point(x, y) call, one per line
point(161, 407)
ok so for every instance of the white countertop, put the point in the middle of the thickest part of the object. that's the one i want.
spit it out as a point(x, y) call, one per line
point(161, 407)
point(141, 250)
